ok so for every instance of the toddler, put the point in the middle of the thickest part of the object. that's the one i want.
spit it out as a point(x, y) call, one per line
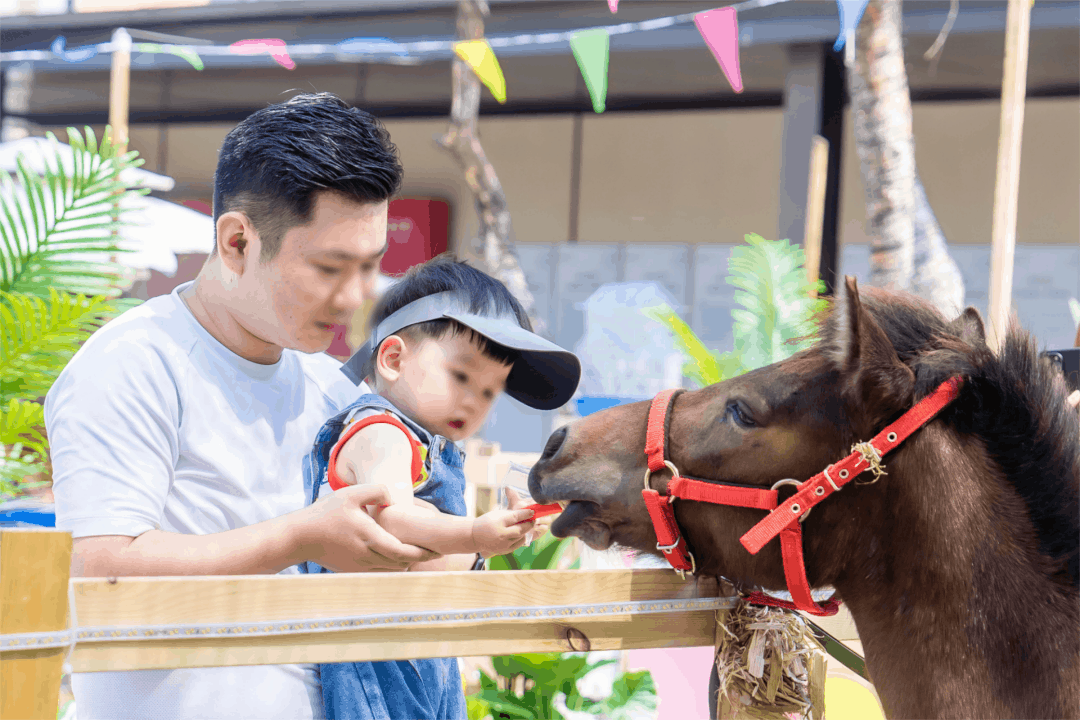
point(447, 340)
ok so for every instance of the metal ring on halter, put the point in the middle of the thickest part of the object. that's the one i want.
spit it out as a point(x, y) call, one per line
point(796, 483)
point(667, 463)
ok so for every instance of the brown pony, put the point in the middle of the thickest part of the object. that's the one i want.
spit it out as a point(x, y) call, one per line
point(959, 566)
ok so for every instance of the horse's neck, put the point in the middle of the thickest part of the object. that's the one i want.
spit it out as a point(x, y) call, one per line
point(955, 615)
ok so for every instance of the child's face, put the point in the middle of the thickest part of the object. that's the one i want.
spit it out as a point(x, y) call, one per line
point(447, 385)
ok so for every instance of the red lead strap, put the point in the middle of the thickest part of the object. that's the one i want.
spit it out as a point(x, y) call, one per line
point(834, 477)
point(783, 519)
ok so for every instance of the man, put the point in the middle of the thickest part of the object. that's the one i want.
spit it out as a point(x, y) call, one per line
point(178, 430)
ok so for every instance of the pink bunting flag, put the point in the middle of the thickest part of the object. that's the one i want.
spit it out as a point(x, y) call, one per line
point(275, 47)
point(613, 5)
point(720, 30)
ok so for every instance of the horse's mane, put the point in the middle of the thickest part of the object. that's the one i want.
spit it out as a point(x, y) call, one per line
point(1014, 401)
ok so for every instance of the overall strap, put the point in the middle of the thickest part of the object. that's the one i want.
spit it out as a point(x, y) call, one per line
point(417, 465)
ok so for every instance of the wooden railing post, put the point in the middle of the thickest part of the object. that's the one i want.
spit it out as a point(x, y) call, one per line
point(34, 569)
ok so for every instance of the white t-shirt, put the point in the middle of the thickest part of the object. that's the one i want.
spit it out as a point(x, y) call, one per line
point(156, 424)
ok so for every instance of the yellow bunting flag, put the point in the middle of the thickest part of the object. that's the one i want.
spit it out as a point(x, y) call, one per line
point(481, 58)
point(591, 52)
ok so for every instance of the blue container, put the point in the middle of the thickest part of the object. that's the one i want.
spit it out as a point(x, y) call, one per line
point(26, 512)
point(596, 403)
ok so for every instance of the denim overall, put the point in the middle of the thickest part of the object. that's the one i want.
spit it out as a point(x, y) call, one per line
point(428, 689)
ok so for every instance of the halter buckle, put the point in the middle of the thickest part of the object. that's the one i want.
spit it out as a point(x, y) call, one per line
point(796, 483)
point(668, 548)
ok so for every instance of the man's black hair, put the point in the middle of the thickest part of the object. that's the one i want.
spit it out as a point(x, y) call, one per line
point(274, 163)
point(486, 296)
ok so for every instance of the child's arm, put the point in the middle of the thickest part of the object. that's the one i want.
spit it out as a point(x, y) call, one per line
point(381, 454)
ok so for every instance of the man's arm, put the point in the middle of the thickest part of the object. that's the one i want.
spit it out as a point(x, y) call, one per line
point(336, 532)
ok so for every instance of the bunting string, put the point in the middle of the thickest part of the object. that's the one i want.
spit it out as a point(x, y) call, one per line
point(384, 46)
point(719, 29)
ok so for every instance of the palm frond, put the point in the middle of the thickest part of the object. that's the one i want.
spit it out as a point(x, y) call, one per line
point(20, 424)
point(38, 337)
point(703, 366)
point(15, 468)
point(57, 229)
point(776, 317)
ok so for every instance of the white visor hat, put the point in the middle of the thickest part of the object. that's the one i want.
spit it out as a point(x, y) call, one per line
point(544, 376)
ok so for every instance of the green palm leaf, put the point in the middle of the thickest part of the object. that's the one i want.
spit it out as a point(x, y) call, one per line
point(15, 468)
point(20, 424)
point(777, 311)
point(58, 229)
point(38, 337)
point(776, 317)
point(57, 284)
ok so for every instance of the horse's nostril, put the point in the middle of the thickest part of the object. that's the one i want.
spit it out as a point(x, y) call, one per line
point(553, 444)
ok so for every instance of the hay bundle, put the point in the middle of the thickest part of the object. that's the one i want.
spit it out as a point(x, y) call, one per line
point(769, 665)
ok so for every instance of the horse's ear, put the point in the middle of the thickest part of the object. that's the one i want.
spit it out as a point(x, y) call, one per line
point(969, 327)
point(874, 377)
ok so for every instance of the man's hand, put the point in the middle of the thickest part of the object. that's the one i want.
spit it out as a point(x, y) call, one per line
point(501, 531)
point(337, 533)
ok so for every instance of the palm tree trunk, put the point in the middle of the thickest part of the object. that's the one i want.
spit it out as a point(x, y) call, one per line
point(463, 142)
point(937, 276)
point(908, 250)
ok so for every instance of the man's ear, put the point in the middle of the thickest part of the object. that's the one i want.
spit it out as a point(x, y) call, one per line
point(388, 358)
point(874, 379)
point(969, 328)
point(237, 240)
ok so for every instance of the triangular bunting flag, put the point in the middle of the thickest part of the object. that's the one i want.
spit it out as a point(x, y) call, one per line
point(613, 5)
point(60, 50)
point(185, 52)
point(274, 46)
point(720, 30)
point(850, 13)
point(371, 46)
point(591, 52)
point(481, 58)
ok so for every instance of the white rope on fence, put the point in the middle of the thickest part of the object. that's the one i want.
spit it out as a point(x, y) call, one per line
point(199, 631)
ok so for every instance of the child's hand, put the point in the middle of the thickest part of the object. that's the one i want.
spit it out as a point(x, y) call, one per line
point(501, 531)
point(540, 527)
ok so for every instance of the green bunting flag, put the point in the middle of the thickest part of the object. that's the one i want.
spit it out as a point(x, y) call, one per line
point(180, 51)
point(591, 52)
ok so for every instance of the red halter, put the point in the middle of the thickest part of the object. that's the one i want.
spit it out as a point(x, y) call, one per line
point(784, 519)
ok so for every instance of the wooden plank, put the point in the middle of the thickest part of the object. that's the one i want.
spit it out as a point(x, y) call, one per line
point(687, 629)
point(815, 208)
point(1007, 184)
point(802, 121)
point(34, 568)
point(161, 601)
point(120, 87)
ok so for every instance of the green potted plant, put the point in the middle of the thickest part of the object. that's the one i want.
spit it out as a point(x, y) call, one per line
point(776, 318)
point(545, 687)
point(58, 283)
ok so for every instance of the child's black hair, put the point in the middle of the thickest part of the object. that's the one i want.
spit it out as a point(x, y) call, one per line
point(273, 164)
point(486, 296)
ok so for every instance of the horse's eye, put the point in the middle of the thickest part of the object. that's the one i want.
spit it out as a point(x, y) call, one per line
point(739, 416)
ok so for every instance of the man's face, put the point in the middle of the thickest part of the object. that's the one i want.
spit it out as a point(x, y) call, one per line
point(323, 273)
